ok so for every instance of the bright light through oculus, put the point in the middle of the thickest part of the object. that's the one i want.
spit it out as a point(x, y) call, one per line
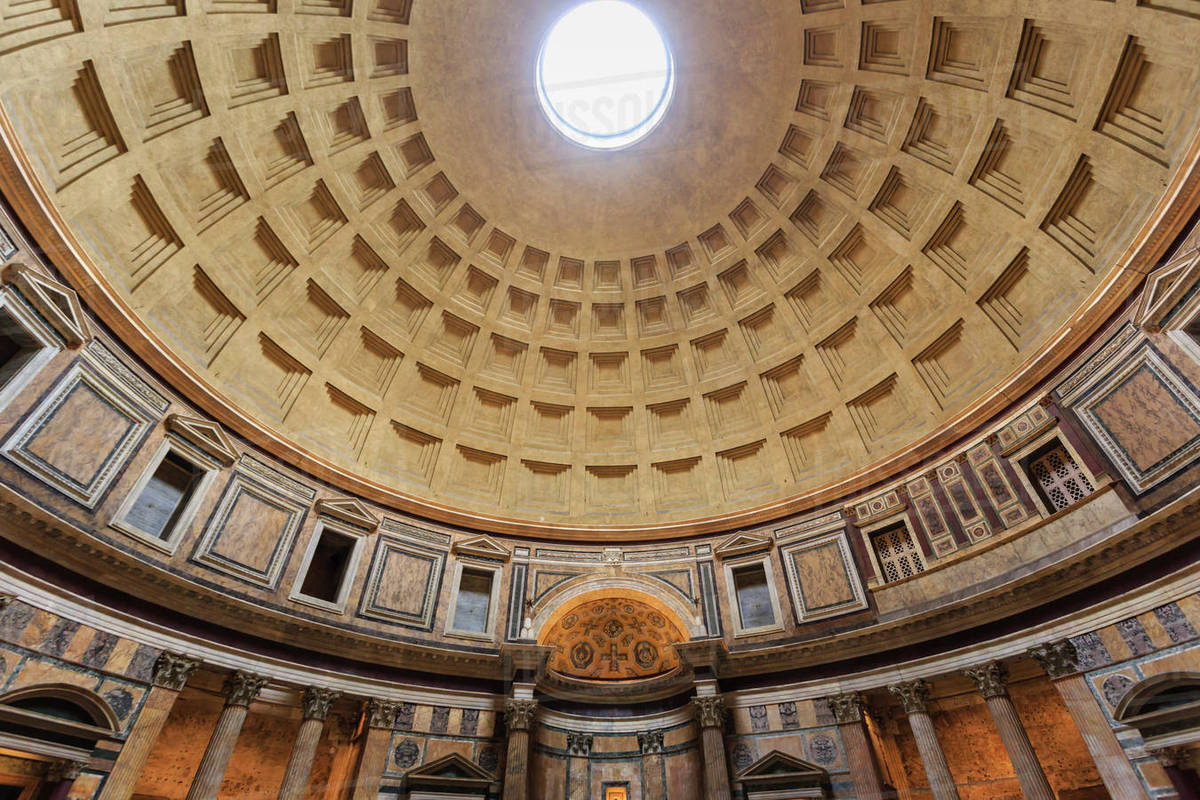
point(604, 75)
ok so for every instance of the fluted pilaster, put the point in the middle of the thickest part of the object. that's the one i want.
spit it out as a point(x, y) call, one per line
point(316, 703)
point(380, 717)
point(710, 716)
point(518, 718)
point(847, 710)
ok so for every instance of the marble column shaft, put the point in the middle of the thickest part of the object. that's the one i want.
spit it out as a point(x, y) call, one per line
point(914, 696)
point(1061, 663)
point(518, 717)
point(240, 689)
point(380, 717)
point(171, 673)
point(316, 704)
point(860, 758)
point(654, 779)
point(710, 716)
point(990, 679)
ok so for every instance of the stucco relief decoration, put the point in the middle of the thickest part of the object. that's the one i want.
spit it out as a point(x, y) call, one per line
point(613, 639)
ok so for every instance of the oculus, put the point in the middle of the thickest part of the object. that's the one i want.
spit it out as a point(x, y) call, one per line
point(605, 75)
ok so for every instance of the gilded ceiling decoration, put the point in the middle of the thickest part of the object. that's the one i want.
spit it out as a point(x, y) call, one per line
point(613, 638)
point(347, 230)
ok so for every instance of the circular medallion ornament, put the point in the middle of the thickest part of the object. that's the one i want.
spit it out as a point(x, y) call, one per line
point(645, 654)
point(406, 754)
point(582, 655)
point(824, 750)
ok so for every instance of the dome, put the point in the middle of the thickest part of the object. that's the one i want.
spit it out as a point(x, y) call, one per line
point(354, 237)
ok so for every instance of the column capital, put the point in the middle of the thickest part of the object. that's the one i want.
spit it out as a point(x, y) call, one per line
point(1059, 659)
point(914, 695)
point(650, 741)
point(990, 678)
point(172, 670)
point(519, 714)
point(709, 711)
point(579, 744)
point(242, 687)
point(317, 700)
point(1172, 756)
point(381, 713)
point(846, 708)
point(63, 770)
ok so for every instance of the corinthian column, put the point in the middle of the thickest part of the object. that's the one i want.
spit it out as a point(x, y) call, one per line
point(240, 690)
point(518, 718)
point(1061, 663)
point(380, 717)
point(914, 696)
point(171, 673)
point(990, 679)
point(864, 771)
point(316, 707)
point(710, 716)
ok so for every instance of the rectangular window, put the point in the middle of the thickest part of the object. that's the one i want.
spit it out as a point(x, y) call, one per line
point(755, 607)
point(898, 555)
point(165, 496)
point(325, 574)
point(17, 347)
point(1058, 479)
point(472, 611)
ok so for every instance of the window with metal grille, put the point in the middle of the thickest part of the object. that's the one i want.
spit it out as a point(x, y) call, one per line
point(898, 555)
point(1059, 480)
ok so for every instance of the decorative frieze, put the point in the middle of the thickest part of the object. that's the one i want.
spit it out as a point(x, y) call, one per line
point(172, 670)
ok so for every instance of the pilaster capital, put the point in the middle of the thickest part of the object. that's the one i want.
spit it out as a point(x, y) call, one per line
point(709, 711)
point(6, 600)
point(579, 744)
point(317, 700)
point(63, 770)
point(990, 678)
point(172, 670)
point(650, 741)
point(519, 714)
point(846, 708)
point(242, 687)
point(1173, 756)
point(913, 695)
point(381, 713)
point(1059, 659)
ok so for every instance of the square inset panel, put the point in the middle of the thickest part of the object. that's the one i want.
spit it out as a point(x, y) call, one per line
point(403, 584)
point(251, 532)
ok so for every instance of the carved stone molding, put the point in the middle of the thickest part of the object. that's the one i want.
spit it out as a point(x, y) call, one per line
point(579, 744)
point(242, 687)
point(317, 701)
point(913, 695)
point(650, 741)
point(381, 713)
point(709, 711)
point(519, 714)
point(990, 678)
point(63, 770)
point(846, 708)
point(1059, 659)
point(172, 670)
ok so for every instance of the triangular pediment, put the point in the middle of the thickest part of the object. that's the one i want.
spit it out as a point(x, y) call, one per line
point(482, 546)
point(742, 543)
point(347, 509)
point(207, 436)
point(451, 773)
point(57, 304)
point(778, 771)
point(1165, 287)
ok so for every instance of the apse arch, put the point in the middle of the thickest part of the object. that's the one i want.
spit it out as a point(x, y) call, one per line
point(71, 703)
point(582, 588)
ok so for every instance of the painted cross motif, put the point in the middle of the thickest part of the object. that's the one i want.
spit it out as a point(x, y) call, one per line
point(615, 658)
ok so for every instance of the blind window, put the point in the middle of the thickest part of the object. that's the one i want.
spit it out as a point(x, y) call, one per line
point(165, 496)
point(474, 601)
point(753, 596)
point(897, 553)
point(1059, 479)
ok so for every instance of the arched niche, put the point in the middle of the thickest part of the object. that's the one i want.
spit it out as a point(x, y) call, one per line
point(584, 587)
